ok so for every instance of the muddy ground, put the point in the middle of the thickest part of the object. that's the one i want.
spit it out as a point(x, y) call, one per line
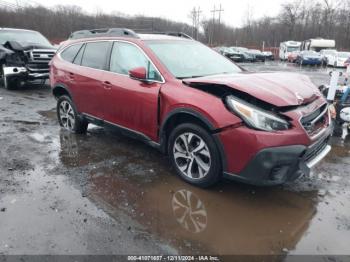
point(104, 193)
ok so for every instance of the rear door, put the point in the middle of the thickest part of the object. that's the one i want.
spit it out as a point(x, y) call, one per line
point(89, 91)
point(131, 103)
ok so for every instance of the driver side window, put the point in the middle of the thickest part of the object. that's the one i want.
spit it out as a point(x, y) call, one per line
point(127, 56)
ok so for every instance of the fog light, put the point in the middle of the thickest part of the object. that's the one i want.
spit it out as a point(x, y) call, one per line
point(279, 173)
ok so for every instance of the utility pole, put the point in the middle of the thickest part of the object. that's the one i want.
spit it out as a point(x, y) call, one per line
point(198, 13)
point(195, 16)
point(220, 10)
point(211, 32)
point(214, 11)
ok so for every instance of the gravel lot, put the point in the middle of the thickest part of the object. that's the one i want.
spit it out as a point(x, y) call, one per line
point(104, 193)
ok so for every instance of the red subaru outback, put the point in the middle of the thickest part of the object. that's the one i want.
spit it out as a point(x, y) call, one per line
point(212, 117)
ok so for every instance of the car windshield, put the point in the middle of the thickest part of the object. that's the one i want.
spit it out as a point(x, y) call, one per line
point(344, 54)
point(187, 59)
point(22, 36)
point(255, 51)
point(310, 53)
point(292, 48)
point(329, 52)
point(233, 50)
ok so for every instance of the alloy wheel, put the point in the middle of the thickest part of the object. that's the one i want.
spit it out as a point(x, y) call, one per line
point(67, 115)
point(191, 155)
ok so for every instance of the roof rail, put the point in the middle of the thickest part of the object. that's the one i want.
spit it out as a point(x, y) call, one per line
point(103, 32)
point(170, 33)
point(179, 34)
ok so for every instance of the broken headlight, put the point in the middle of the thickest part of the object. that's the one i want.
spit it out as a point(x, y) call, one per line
point(255, 117)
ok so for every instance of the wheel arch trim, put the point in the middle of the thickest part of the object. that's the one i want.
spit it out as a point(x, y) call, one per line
point(189, 111)
point(64, 87)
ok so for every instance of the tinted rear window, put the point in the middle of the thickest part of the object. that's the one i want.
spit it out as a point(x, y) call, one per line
point(95, 55)
point(70, 52)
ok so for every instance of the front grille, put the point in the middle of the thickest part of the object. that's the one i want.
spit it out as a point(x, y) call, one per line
point(39, 60)
point(315, 149)
point(316, 121)
point(41, 56)
point(38, 67)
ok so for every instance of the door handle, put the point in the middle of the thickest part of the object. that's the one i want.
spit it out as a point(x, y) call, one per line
point(107, 85)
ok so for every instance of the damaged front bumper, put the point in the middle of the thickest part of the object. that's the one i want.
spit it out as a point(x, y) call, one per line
point(25, 73)
point(280, 164)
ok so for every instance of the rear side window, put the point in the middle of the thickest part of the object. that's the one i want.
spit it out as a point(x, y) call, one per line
point(95, 55)
point(70, 52)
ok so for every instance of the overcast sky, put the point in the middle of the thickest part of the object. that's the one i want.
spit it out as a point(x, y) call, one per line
point(233, 14)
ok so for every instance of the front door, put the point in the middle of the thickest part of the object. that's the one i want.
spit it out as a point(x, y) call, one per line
point(131, 103)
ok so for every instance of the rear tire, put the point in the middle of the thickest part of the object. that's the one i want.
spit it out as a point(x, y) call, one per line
point(68, 116)
point(194, 155)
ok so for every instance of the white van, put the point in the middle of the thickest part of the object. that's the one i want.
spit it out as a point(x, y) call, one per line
point(288, 47)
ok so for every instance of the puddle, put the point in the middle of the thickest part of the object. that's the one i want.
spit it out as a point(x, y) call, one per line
point(50, 114)
point(232, 218)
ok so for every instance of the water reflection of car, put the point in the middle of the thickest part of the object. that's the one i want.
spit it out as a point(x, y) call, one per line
point(293, 56)
point(309, 58)
point(197, 221)
point(338, 59)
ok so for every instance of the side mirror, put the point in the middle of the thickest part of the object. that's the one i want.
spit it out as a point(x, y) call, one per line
point(138, 73)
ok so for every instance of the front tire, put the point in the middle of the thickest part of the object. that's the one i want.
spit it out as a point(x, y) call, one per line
point(194, 155)
point(68, 117)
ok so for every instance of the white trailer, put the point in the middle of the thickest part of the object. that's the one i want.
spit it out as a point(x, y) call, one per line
point(288, 47)
point(317, 44)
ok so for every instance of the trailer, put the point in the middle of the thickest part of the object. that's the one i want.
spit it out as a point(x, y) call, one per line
point(317, 44)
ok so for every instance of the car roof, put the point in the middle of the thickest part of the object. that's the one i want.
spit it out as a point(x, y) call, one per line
point(141, 37)
point(161, 37)
point(15, 29)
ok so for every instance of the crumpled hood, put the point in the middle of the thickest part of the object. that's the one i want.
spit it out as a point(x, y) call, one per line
point(279, 89)
point(17, 46)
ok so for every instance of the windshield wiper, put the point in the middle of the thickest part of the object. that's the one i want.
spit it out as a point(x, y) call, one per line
point(184, 77)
